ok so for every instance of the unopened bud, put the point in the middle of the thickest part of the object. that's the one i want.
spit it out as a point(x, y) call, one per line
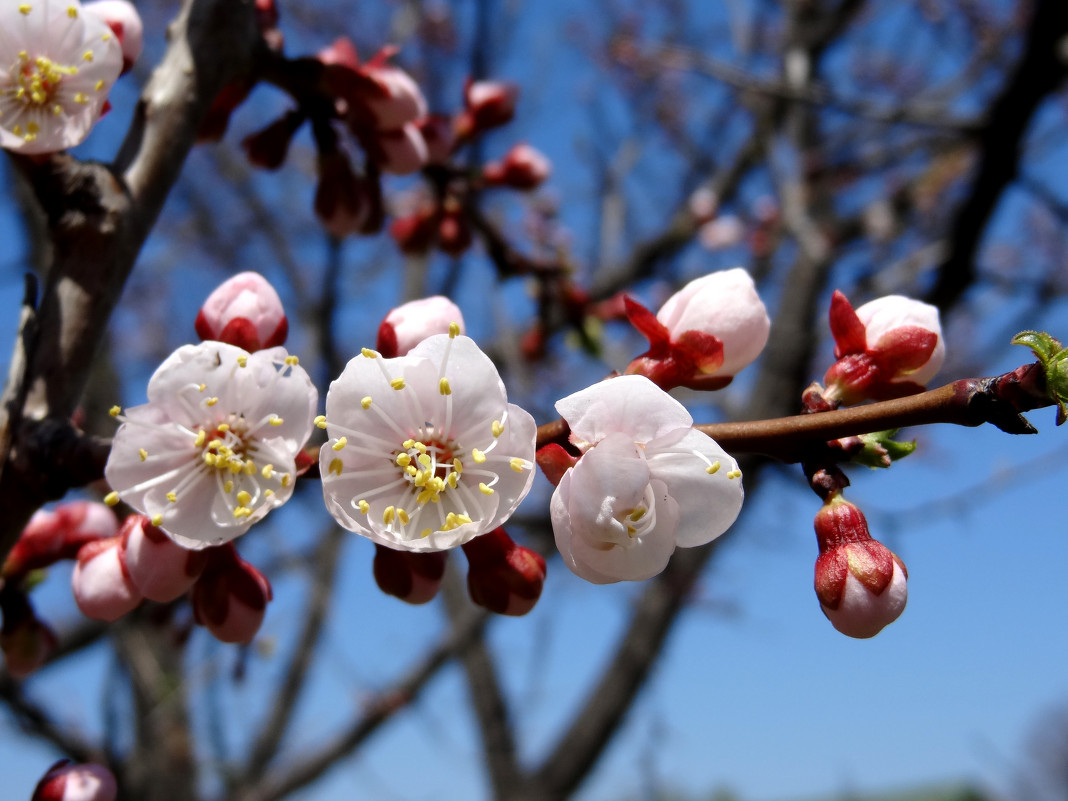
point(230, 597)
point(400, 151)
point(160, 569)
point(52, 535)
point(67, 781)
point(394, 98)
point(503, 577)
point(861, 584)
point(217, 119)
point(244, 311)
point(888, 348)
point(410, 323)
point(436, 130)
point(415, 233)
point(101, 584)
point(454, 233)
point(345, 203)
point(522, 167)
point(413, 577)
point(487, 104)
point(125, 23)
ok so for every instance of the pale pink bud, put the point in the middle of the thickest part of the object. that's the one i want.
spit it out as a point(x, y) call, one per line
point(398, 100)
point(487, 104)
point(161, 569)
point(410, 323)
point(413, 577)
point(66, 781)
point(125, 22)
point(101, 584)
point(704, 334)
point(888, 348)
point(57, 534)
point(401, 151)
point(503, 577)
point(724, 304)
point(230, 597)
point(861, 584)
point(244, 311)
point(522, 167)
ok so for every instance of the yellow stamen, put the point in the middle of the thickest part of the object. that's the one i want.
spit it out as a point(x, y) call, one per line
point(454, 330)
point(244, 498)
point(368, 353)
point(403, 459)
point(497, 428)
point(341, 443)
point(478, 455)
point(211, 401)
point(115, 411)
point(734, 474)
point(320, 421)
point(267, 471)
point(275, 420)
point(112, 498)
point(403, 516)
point(485, 490)
point(292, 361)
point(228, 486)
point(517, 464)
point(242, 361)
point(443, 387)
point(336, 467)
point(157, 520)
point(397, 383)
point(201, 438)
point(172, 497)
point(142, 453)
point(363, 506)
point(388, 514)
point(713, 468)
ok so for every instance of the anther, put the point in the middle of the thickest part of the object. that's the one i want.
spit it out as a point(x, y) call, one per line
point(341, 443)
point(713, 468)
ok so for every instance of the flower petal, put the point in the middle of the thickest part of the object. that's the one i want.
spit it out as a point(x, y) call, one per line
point(629, 404)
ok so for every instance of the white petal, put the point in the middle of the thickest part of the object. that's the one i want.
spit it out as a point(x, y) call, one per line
point(708, 503)
point(629, 404)
point(478, 394)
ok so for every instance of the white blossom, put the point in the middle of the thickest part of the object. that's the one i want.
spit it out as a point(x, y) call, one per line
point(57, 65)
point(424, 451)
point(646, 482)
point(214, 449)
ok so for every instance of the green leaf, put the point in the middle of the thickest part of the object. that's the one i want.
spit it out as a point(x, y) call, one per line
point(1045, 347)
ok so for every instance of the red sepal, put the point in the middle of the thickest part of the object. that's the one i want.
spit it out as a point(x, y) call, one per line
point(645, 321)
point(387, 340)
point(554, 461)
point(846, 328)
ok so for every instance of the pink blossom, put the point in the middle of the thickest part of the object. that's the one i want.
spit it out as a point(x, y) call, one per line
point(125, 22)
point(54, 534)
point(57, 65)
point(67, 781)
point(101, 583)
point(398, 100)
point(704, 334)
point(646, 482)
point(888, 348)
point(410, 323)
point(861, 584)
point(424, 452)
point(244, 311)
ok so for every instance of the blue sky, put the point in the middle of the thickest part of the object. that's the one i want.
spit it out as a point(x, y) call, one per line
point(755, 692)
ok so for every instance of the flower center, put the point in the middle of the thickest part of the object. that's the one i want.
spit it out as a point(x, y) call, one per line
point(38, 79)
point(430, 468)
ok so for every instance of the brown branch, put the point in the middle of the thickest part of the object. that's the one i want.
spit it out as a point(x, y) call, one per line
point(388, 703)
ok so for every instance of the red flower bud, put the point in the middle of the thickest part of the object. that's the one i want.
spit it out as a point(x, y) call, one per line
point(52, 535)
point(267, 148)
point(230, 597)
point(413, 577)
point(522, 167)
point(503, 577)
point(861, 584)
point(344, 202)
point(487, 104)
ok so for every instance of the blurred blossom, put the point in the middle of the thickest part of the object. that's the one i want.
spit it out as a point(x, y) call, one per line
point(67, 781)
point(436, 130)
point(244, 311)
point(487, 104)
point(101, 584)
point(888, 348)
point(424, 451)
point(57, 65)
point(721, 233)
point(25, 640)
point(401, 151)
point(345, 203)
point(703, 204)
point(522, 167)
point(214, 449)
point(410, 323)
point(646, 482)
